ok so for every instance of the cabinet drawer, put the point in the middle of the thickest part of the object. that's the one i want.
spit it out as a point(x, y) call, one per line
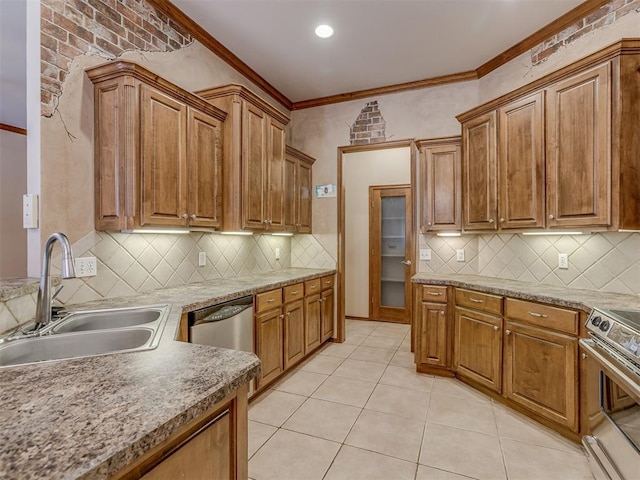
point(433, 293)
point(268, 300)
point(327, 282)
point(560, 319)
point(293, 292)
point(312, 286)
point(482, 302)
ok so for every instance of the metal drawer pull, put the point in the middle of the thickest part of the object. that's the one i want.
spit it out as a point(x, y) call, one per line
point(475, 300)
point(271, 300)
point(328, 282)
point(435, 294)
point(295, 292)
point(314, 286)
point(535, 314)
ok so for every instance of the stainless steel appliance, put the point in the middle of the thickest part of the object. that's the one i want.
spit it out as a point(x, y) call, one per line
point(612, 353)
point(226, 325)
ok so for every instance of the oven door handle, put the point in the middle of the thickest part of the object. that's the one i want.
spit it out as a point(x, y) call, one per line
point(611, 368)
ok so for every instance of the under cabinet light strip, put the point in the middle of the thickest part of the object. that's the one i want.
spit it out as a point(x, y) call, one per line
point(554, 233)
point(448, 234)
point(158, 230)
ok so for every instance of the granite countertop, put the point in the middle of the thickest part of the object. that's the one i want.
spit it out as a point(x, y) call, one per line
point(90, 417)
point(17, 287)
point(562, 296)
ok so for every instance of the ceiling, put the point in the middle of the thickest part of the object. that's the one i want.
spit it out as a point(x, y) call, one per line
point(376, 42)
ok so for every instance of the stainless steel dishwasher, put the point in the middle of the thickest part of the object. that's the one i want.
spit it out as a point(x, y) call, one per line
point(226, 325)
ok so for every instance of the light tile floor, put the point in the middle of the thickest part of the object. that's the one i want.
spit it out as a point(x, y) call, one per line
point(358, 410)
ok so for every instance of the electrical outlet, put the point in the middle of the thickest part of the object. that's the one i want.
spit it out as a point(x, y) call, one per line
point(460, 255)
point(86, 267)
point(202, 259)
point(563, 261)
point(425, 254)
point(277, 253)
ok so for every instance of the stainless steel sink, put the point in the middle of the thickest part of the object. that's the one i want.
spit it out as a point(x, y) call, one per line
point(88, 333)
point(105, 319)
point(86, 344)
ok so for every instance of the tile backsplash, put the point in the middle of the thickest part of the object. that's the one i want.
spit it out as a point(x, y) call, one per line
point(608, 262)
point(308, 252)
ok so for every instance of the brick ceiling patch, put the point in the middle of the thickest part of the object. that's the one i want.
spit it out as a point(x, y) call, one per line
point(369, 127)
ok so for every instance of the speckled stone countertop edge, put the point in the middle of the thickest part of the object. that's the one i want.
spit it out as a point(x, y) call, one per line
point(11, 288)
point(560, 296)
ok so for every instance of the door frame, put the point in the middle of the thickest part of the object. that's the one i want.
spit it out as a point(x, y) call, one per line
point(377, 311)
point(340, 286)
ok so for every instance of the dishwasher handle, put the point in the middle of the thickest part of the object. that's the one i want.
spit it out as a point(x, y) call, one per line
point(223, 313)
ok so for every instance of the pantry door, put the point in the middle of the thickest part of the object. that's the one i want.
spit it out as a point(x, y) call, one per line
point(392, 253)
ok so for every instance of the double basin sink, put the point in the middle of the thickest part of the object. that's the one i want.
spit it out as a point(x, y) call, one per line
point(89, 333)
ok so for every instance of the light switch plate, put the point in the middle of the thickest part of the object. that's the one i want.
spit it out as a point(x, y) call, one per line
point(202, 259)
point(277, 253)
point(30, 210)
point(563, 261)
point(460, 255)
point(425, 254)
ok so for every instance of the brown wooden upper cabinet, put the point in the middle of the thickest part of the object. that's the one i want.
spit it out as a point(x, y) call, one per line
point(297, 189)
point(441, 198)
point(157, 152)
point(254, 160)
point(562, 152)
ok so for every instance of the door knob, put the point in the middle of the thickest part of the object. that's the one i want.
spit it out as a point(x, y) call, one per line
point(406, 262)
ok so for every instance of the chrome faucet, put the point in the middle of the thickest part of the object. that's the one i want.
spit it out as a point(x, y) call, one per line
point(43, 307)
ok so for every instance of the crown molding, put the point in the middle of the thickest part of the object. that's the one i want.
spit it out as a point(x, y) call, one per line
point(11, 128)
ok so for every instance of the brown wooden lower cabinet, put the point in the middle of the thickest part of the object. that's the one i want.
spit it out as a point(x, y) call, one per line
point(211, 447)
point(293, 333)
point(327, 298)
point(477, 348)
point(541, 372)
point(269, 345)
point(431, 339)
point(313, 313)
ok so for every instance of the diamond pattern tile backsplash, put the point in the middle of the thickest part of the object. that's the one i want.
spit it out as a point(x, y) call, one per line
point(607, 262)
point(308, 252)
point(131, 263)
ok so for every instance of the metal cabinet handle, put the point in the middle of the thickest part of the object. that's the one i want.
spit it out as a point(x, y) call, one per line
point(475, 300)
point(435, 294)
point(508, 332)
point(441, 312)
point(295, 292)
point(551, 217)
point(288, 314)
point(271, 300)
point(540, 315)
point(495, 327)
point(491, 220)
point(429, 223)
point(282, 316)
point(329, 282)
point(314, 286)
point(406, 262)
point(501, 220)
point(194, 216)
point(184, 215)
point(584, 356)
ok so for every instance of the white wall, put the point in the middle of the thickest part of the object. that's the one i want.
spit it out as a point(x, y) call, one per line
point(361, 170)
point(13, 184)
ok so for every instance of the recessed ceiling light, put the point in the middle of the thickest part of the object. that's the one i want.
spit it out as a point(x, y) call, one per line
point(324, 31)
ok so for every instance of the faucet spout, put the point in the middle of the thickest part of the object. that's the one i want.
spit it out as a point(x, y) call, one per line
point(43, 306)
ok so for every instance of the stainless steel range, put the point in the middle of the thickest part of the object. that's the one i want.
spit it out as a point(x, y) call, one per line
point(612, 355)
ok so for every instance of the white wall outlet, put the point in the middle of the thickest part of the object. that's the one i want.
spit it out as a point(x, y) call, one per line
point(86, 267)
point(460, 255)
point(30, 210)
point(563, 261)
point(425, 254)
point(202, 259)
point(277, 253)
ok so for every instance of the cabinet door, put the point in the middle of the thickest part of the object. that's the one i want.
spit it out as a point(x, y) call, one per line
point(441, 188)
point(312, 317)
point(521, 163)
point(269, 345)
point(431, 346)
point(254, 147)
point(291, 200)
point(327, 297)
point(293, 333)
point(304, 187)
point(479, 185)
point(164, 159)
point(477, 348)
point(206, 456)
point(205, 170)
point(541, 372)
point(578, 150)
point(274, 187)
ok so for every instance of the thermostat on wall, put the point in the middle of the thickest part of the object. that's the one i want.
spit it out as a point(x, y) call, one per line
point(323, 191)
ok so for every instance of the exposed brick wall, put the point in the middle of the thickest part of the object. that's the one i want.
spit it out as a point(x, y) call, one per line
point(107, 28)
point(369, 127)
point(605, 15)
